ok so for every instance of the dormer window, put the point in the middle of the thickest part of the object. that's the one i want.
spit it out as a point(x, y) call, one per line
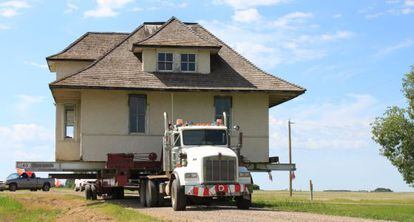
point(188, 62)
point(165, 61)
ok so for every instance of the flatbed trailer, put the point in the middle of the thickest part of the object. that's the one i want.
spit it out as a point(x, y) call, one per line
point(124, 171)
point(197, 165)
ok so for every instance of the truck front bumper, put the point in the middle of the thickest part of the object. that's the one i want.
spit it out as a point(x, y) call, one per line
point(217, 190)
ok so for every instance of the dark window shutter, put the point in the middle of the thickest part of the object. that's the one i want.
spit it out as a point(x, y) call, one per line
point(137, 112)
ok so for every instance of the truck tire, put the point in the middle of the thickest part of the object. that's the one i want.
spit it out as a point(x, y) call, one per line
point(244, 202)
point(178, 198)
point(142, 195)
point(151, 194)
point(94, 195)
point(46, 187)
point(88, 192)
point(12, 187)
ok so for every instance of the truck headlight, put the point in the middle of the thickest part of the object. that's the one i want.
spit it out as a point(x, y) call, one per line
point(191, 176)
point(244, 174)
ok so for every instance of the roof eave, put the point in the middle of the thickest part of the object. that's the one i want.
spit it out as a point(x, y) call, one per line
point(137, 48)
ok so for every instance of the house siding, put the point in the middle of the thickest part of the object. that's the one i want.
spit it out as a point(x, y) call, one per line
point(104, 122)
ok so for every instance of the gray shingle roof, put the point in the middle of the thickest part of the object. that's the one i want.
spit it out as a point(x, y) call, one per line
point(174, 33)
point(119, 68)
point(90, 46)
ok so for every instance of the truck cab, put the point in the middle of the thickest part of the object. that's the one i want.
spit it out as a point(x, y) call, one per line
point(205, 165)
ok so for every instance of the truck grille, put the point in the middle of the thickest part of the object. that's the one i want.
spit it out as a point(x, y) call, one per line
point(219, 170)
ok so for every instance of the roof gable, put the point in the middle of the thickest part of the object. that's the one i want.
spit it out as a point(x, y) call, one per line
point(120, 68)
point(174, 33)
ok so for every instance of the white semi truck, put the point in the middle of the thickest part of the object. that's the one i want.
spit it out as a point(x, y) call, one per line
point(199, 165)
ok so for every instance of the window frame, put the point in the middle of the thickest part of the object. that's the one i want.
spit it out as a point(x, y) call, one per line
point(188, 62)
point(165, 62)
point(229, 115)
point(66, 107)
point(137, 115)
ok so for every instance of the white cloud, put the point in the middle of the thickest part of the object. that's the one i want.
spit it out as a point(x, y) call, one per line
point(337, 36)
point(71, 7)
point(247, 15)
point(41, 66)
point(107, 8)
point(244, 4)
point(25, 102)
point(24, 142)
point(269, 47)
point(395, 7)
point(4, 27)
point(392, 48)
point(292, 20)
point(11, 8)
point(337, 16)
point(341, 124)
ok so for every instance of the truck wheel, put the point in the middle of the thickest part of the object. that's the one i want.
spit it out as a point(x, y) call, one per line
point(13, 187)
point(88, 192)
point(93, 192)
point(178, 198)
point(142, 190)
point(46, 187)
point(151, 193)
point(244, 202)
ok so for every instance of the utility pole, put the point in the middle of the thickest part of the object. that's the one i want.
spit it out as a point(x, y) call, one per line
point(290, 157)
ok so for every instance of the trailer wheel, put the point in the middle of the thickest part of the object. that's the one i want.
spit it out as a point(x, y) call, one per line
point(142, 189)
point(13, 187)
point(151, 193)
point(88, 192)
point(244, 202)
point(178, 198)
point(93, 192)
point(118, 193)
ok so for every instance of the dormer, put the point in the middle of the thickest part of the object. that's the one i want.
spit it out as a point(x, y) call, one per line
point(175, 48)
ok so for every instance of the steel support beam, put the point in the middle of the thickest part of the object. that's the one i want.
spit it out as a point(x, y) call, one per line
point(267, 167)
point(75, 166)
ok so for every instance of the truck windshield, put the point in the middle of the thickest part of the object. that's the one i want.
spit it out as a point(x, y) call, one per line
point(13, 176)
point(204, 137)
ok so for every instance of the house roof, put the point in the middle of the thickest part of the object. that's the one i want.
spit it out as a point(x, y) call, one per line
point(89, 46)
point(119, 68)
point(174, 33)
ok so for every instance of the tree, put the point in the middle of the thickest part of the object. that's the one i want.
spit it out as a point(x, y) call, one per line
point(394, 131)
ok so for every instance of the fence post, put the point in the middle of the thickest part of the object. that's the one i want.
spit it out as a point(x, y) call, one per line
point(311, 189)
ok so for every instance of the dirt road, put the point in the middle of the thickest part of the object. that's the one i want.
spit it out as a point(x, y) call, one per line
point(76, 209)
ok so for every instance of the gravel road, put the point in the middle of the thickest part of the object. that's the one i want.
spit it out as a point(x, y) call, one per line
point(231, 214)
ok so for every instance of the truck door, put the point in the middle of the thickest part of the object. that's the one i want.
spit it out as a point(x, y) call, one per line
point(23, 181)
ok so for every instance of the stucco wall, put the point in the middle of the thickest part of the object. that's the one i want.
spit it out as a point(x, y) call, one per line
point(65, 68)
point(149, 59)
point(105, 121)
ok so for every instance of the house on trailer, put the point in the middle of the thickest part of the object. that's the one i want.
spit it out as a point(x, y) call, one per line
point(112, 89)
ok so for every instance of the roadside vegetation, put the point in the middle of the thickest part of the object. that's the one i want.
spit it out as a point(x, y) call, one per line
point(61, 205)
point(381, 206)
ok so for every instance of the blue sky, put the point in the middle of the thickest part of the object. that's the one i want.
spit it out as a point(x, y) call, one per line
point(349, 55)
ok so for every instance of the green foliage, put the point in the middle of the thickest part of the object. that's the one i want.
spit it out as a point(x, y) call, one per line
point(380, 189)
point(380, 206)
point(256, 187)
point(12, 210)
point(70, 183)
point(394, 131)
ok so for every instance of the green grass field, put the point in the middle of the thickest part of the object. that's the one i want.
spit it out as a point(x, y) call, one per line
point(62, 205)
point(383, 206)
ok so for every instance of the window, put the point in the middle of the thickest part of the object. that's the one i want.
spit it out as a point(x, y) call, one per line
point(223, 104)
point(137, 110)
point(69, 121)
point(165, 61)
point(188, 62)
point(204, 137)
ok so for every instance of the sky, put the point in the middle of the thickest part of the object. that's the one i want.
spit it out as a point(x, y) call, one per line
point(349, 55)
